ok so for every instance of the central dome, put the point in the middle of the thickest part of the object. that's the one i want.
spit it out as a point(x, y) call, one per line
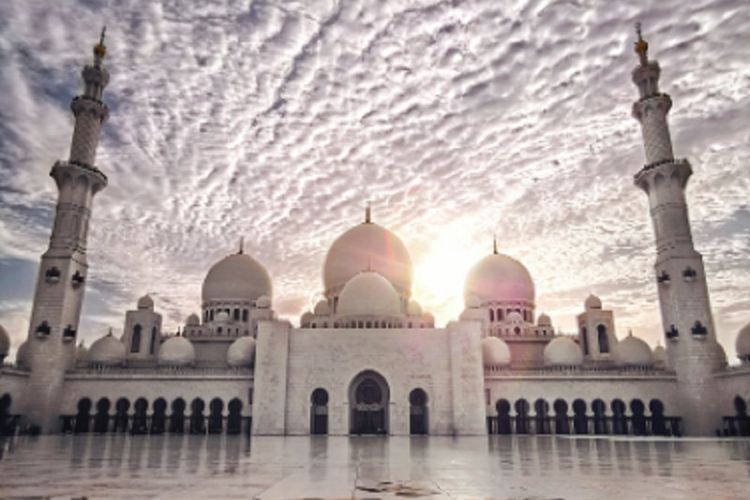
point(236, 277)
point(499, 278)
point(369, 294)
point(367, 246)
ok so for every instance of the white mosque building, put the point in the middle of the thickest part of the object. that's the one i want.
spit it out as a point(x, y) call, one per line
point(368, 359)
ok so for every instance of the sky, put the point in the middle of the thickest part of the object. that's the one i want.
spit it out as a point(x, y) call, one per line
point(457, 121)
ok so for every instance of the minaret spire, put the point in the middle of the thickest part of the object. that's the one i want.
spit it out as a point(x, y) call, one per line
point(679, 273)
point(368, 218)
point(494, 244)
point(242, 245)
point(63, 271)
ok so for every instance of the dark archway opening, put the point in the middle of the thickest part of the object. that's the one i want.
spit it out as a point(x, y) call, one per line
point(522, 416)
point(658, 422)
point(417, 412)
point(561, 417)
point(639, 420)
point(743, 421)
point(619, 420)
point(234, 420)
point(121, 415)
point(177, 419)
point(503, 416)
point(140, 417)
point(541, 411)
point(101, 419)
point(197, 419)
point(215, 418)
point(319, 412)
point(580, 419)
point(7, 426)
point(83, 416)
point(159, 418)
point(370, 394)
point(600, 419)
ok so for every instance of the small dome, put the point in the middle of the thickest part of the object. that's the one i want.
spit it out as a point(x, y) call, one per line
point(237, 277)
point(562, 351)
point(428, 319)
point(514, 317)
point(495, 352)
point(473, 302)
point(592, 302)
point(4, 342)
point(107, 350)
point(321, 308)
point(176, 351)
point(146, 302)
point(306, 319)
point(742, 344)
point(222, 317)
point(632, 351)
point(369, 294)
point(414, 308)
point(544, 320)
point(82, 352)
point(367, 246)
point(193, 320)
point(241, 352)
point(499, 278)
point(23, 355)
point(660, 355)
point(263, 302)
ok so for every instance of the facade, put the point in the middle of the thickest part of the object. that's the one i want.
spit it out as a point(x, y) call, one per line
point(368, 359)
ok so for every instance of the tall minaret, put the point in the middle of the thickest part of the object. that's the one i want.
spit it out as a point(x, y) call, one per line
point(681, 281)
point(63, 269)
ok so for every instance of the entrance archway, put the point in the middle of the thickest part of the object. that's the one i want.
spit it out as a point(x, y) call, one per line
point(319, 412)
point(417, 412)
point(368, 398)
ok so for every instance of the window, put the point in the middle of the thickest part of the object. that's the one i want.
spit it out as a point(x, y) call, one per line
point(601, 331)
point(585, 340)
point(236, 314)
point(492, 315)
point(135, 340)
point(152, 347)
point(244, 315)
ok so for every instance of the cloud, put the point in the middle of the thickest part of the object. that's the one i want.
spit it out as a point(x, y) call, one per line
point(277, 121)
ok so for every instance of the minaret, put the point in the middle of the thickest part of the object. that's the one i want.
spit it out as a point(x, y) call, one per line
point(63, 270)
point(681, 281)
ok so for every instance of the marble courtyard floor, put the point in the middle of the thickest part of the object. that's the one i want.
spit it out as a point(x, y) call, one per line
point(519, 467)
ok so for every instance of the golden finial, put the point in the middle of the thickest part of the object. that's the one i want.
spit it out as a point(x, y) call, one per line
point(641, 45)
point(99, 49)
point(242, 245)
point(494, 244)
point(367, 213)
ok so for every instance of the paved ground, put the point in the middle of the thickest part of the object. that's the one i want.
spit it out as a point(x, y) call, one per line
point(118, 466)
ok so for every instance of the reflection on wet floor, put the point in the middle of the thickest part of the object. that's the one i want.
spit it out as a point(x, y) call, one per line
point(118, 465)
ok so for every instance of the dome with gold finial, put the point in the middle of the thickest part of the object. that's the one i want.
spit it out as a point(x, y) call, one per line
point(100, 50)
point(641, 45)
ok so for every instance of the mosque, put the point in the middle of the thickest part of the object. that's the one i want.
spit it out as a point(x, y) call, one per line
point(368, 359)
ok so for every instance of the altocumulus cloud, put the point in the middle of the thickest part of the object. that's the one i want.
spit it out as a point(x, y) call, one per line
point(457, 120)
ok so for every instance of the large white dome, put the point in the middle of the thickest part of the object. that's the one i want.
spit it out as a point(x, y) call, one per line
point(632, 351)
point(495, 352)
point(369, 294)
point(742, 344)
point(107, 350)
point(236, 277)
point(499, 278)
point(660, 355)
point(4, 342)
point(367, 246)
point(176, 351)
point(562, 351)
point(241, 352)
point(23, 355)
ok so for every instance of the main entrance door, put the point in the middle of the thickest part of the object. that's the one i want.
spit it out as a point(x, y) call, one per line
point(369, 396)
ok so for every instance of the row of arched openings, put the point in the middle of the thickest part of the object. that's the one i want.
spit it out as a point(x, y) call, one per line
point(157, 418)
point(636, 419)
point(739, 423)
point(369, 412)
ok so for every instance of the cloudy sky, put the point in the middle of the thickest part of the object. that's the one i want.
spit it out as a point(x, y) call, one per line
point(276, 121)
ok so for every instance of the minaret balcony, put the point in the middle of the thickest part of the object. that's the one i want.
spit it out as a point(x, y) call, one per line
point(43, 330)
point(689, 274)
point(663, 278)
point(699, 331)
point(672, 333)
point(52, 275)
point(77, 280)
point(69, 334)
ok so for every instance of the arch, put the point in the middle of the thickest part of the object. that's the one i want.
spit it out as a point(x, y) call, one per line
point(619, 420)
point(600, 419)
point(541, 410)
point(152, 344)
point(562, 426)
point(418, 412)
point(503, 416)
point(638, 419)
point(101, 419)
point(159, 417)
point(135, 339)
point(658, 422)
point(197, 419)
point(319, 411)
point(140, 417)
point(215, 416)
point(500, 315)
point(177, 418)
point(601, 333)
point(522, 416)
point(743, 421)
point(83, 416)
point(121, 415)
point(369, 397)
point(585, 340)
point(7, 426)
point(492, 315)
point(580, 419)
point(234, 419)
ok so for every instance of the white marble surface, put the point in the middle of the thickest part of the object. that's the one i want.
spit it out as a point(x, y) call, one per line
point(121, 466)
